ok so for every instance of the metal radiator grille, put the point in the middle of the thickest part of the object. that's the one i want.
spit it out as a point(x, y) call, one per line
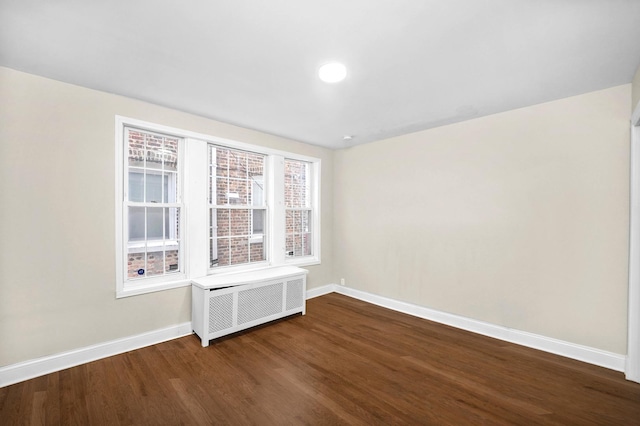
point(259, 302)
point(220, 312)
point(294, 294)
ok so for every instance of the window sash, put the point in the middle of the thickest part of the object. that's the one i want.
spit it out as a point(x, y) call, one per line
point(164, 210)
point(236, 175)
point(298, 199)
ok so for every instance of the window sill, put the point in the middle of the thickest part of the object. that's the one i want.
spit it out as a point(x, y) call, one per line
point(144, 288)
point(303, 261)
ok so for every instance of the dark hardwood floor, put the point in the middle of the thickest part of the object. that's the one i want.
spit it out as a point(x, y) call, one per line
point(345, 362)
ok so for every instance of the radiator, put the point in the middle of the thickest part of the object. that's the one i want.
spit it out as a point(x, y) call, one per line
point(225, 304)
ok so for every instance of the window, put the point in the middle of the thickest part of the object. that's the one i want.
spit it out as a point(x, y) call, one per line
point(298, 208)
point(191, 205)
point(237, 208)
point(153, 207)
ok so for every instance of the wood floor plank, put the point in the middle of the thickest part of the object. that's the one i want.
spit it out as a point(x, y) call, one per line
point(345, 362)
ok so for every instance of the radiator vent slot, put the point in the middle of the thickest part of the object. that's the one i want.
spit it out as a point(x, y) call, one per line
point(295, 290)
point(221, 312)
point(259, 302)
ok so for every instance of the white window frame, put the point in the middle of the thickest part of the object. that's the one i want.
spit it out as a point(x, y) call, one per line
point(194, 222)
point(124, 285)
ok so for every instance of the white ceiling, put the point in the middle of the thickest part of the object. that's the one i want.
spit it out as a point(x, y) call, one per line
point(412, 64)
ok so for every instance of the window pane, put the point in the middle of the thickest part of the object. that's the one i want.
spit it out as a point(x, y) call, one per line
point(136, 265)
point(170, 154)
point(154, 151)
point(236, 179)
point(213, 253)
point(258, 222)
point(135, 147)
point(224, 224)
point(238, 192)
point(236, 174)
point(155, 221)
point(222, 247)
point(290, 221)
point(305, 221)
point(136, 223)
point(221, 162)
point(239, 250)
point(155, 263)
point(237, 164)
point(172, 223)
point(232, 232)
point(257, 252)
point(153, 165)
point(298, 233)
point(289, 246)
point(296, 184)
point(136, 185)
point(154, 232)
point(306, 244)
point(170, 187)
point(155, 188)
point(172, 261)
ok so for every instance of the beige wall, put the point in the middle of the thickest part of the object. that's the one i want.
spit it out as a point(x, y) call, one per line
point(519, 219)
point(635, 97)
point(57, 217)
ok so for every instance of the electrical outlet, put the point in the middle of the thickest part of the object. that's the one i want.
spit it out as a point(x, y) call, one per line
point(341, 281)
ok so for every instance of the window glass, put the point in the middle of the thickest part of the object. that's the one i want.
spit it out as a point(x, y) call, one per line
point(152, 209)
point(237, 207)
point(298, 242)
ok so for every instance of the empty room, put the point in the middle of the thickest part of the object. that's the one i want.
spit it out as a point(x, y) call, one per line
point(340, 212)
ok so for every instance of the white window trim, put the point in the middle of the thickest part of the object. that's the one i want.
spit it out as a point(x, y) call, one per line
point(130, 287)
point(194, 255)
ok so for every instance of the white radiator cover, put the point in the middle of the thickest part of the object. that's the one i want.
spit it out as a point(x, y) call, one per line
point(224, 304)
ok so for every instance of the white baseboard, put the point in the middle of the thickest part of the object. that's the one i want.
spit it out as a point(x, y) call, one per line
point(587, 354)
point(321, 291)
point(38, 367)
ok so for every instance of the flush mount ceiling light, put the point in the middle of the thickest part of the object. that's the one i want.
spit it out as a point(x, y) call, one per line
point(332, 72)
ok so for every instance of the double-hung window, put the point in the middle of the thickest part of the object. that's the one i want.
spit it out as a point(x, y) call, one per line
point(299, 219)
point(189, 205)
point(237, 208)
point(152, 205)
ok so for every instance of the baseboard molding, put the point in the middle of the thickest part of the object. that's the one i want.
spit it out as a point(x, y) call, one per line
point(321, 291)
point(587, 354)
point(38, 367)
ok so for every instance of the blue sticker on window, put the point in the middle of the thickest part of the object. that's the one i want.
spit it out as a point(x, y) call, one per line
point(140, 271)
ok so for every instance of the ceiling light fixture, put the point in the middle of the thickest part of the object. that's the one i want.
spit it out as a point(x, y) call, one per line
point(332, 72)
